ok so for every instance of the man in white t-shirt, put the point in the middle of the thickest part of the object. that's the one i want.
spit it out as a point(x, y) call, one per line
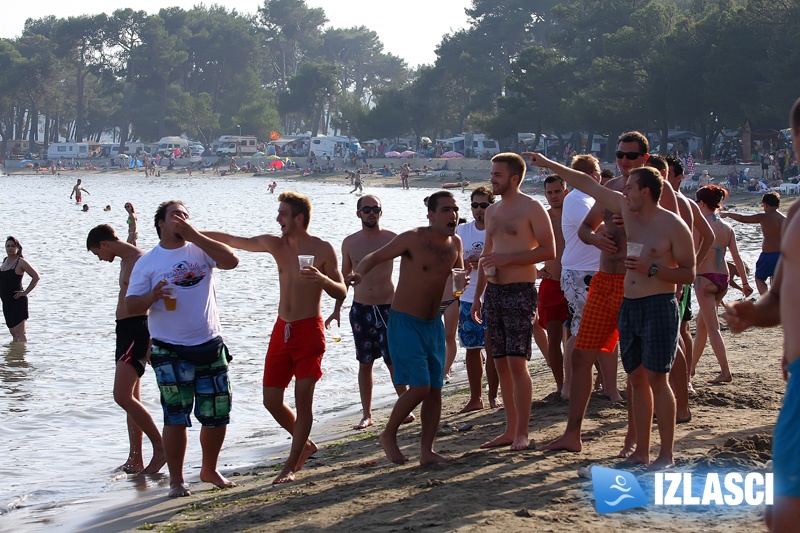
point(470, 332)
point(175, 282)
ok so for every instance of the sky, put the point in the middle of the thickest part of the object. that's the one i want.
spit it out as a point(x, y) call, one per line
point(410, 30)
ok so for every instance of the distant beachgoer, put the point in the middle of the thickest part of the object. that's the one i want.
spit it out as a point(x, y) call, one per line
point(357, 183)
point(15, 300)
point(132, 353)
point(271, 187)
point(188, 355)
point(404, 175)
point(132, 220)
point(416, 333)
point(771, 221)
point(77, 190)
point(107, 208)
point(85, 207)
point(297, 343)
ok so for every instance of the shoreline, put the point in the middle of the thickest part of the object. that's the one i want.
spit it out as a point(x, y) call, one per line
point(349, 484)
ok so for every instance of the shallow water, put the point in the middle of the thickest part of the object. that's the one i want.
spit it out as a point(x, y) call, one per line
point(64, 433)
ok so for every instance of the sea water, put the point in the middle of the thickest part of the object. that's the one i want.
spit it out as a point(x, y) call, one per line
point(63, 434)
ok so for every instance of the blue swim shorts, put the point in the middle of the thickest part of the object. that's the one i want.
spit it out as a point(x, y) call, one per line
point(418, 350)
point(786, 439)
point(765, 266)
point(470, 332)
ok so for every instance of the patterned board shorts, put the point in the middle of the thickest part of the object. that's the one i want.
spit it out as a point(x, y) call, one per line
point(509, 318)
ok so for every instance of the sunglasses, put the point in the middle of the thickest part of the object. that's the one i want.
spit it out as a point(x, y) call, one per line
point(482, 205)
point(629, 155)
point(371, 209)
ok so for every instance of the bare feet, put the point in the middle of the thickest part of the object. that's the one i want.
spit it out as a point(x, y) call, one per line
point(432, 457)
point(308, 450)
point(179, 490)
point(627, 450)
point(565, 394)
point(283, 477)
point(521, 443)
point(502, 440)
point(683, 419)
point(156, 463)
point(392, 450)
point(216, 479)
point(723, 377)
point(447, 377)
point(691, 388)
point(494, 404)
point(364, 424)
point(635, 459)
point(472, 405)
point(565, 443)
point(410, 418)
point(662, 462)
point(614, 396)
point(130, 467)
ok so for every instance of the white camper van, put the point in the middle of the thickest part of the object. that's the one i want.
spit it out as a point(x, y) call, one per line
point(168, 145)
point(68, 150)
point(323, 146)
point(131, 148)
point(233, 145)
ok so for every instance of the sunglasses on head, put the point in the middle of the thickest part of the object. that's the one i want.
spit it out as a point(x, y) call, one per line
point(367, 209)
point(482, 205)
point(629, 155)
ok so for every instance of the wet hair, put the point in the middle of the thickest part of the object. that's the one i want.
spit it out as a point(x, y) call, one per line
point(649, 178)
point(100, 233)
point(794, 117)
point(555, 178)
point(16, 243)
point(133, 209)
point(361, 198)
point(676, 165)
point(161, 213)
point(300, 204)
point(658, 162)
point(606, 174)
point(482, 191)
point(635, 136)
point(771, 199)
point(432, 201)
point(514, 161)
point(711, 195)
point(585, 163)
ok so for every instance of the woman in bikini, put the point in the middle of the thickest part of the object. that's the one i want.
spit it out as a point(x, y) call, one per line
point(15, 299)
point(132, 234)
point(712, 280)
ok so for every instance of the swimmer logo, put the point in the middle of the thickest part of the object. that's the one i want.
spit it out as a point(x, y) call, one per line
point(616, 490)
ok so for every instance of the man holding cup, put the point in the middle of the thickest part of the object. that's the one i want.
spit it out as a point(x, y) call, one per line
point(188, 356)
point(307, 266)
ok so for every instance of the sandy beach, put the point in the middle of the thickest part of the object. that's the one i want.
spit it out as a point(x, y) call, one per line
point(350, 485)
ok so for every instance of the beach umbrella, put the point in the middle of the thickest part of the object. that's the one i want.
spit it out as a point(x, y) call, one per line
point(451, 155)
point(124, 156)
point(272, 157)
point(408, 153)
point(277, 164)
point(392, 154)
point(425, 140)
point(258, 154)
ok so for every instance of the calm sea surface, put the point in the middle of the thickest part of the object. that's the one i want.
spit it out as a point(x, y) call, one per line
point(63, 434)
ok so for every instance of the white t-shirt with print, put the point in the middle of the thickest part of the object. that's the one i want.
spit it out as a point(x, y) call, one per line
point(191, 273)
point(577, 254)
point(472, 239)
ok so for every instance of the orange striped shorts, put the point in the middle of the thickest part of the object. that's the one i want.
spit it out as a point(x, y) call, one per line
point(598, 329)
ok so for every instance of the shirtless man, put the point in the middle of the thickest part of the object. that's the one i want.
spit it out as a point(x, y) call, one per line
point(369, 314)
point(771, 221)
point(553, 310)
point(416, 332)
point(648, 315)
point(518, 235)
point(780, 304)
point(598, 334)
point(133, 351)
point(404, 172)
point(77, 190)
point(297, 342)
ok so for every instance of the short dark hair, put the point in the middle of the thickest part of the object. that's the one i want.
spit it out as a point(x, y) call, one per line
point(433, 199)
point(515, 163)
point(161, 213)
point(606, 174)
point(635, 136)
point(711, 195)
point(771, 199)
point(299, 203)
point(676, 165)
point(649, 178)
point(555, 178)
point(103, 232)
point(658, 162)
point(360, 198)
point(482, 191)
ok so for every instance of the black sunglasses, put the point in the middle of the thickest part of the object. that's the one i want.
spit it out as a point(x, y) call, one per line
point(371, 209)
point(629, 155)
point(482, 205)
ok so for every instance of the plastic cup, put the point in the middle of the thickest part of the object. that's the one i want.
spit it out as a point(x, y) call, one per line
point(170, 298)
point(305, 260)
point(635, 249)
point(336, 335)
point(459, 281)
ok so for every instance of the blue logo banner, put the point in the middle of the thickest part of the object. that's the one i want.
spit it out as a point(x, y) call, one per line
point(616, 490)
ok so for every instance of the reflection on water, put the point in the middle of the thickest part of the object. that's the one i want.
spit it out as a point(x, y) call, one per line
point(65, 435)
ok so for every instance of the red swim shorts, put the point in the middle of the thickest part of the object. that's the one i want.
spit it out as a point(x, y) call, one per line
point(598, 329)
point(553, 306)
point(295, 349)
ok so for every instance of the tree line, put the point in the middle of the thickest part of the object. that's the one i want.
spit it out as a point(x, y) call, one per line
point(539, 66)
